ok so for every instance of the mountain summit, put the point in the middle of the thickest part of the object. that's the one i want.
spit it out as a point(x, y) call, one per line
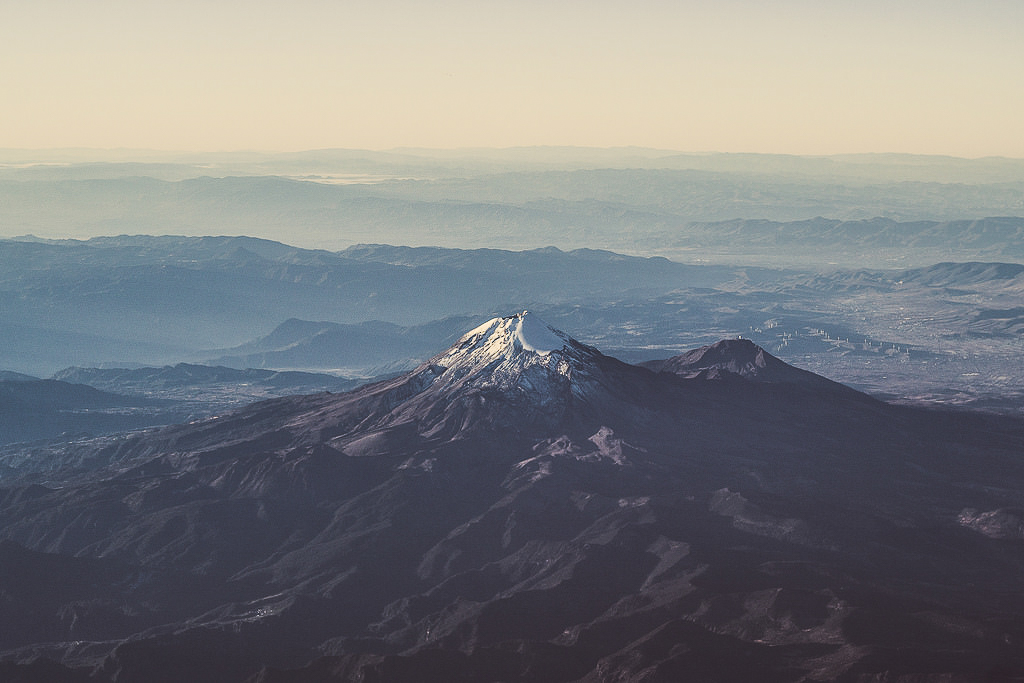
point(732, 358)
point(519, 351)
point(517, 370)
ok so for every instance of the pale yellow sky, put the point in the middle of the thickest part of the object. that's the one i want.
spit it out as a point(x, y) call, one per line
point(791, 76)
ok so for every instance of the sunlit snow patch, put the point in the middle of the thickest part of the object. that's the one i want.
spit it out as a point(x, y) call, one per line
point(535, 335)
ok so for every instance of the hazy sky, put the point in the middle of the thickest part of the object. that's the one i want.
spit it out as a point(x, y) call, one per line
point(796, 76)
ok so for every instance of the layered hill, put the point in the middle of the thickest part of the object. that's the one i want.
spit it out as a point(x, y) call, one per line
point(84, 402)
point(39, 409)
point(216, 385)
point(522, 507)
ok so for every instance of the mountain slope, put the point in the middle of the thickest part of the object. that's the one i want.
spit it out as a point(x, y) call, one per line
point(522, 507)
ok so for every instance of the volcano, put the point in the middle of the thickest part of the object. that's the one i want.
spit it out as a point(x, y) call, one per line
point(522, 507)
point(740, 358)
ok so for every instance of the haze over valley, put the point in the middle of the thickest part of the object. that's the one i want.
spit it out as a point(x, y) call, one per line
point(879, 210)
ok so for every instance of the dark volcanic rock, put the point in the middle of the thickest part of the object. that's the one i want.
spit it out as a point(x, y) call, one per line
point(524, 508)
point(737, 357)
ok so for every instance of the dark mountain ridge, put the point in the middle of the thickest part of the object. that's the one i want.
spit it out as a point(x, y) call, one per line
point(523, 507)
point(9, 376)
point(94, 401)
point(157, 380)
point(962, 274)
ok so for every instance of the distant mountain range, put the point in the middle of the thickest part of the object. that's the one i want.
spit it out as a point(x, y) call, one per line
point(630, 199)
point(154, 301)
point(435, 164)
point(523, 507)
point(158, 300)
point(822, 240)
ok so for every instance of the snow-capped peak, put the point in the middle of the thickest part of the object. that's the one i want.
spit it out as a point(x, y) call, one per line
point(503, 350)
point(522, 331)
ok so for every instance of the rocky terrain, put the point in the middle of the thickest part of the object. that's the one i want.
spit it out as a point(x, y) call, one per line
point(522, 507)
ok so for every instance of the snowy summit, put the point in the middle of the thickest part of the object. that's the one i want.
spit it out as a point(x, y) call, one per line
point(506, 337)
point(523, 331)
point(502, 351)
